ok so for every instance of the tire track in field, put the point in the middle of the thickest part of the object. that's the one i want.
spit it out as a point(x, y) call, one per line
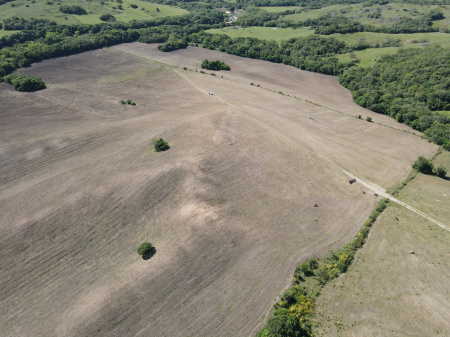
point(371, 186)
point(382, 192)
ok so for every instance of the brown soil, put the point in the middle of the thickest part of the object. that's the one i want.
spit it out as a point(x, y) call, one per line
point(229, 207)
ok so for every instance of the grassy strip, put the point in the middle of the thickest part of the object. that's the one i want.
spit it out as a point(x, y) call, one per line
point(293, 315)
point(393, 190)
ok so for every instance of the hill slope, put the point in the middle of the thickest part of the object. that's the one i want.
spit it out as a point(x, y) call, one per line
point(230, 207)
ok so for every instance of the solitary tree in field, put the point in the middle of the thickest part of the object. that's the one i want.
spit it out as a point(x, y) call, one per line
point(160, 145)
point(146, 249)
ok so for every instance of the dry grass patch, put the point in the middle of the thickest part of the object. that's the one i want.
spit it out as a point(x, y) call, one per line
point(398, 284)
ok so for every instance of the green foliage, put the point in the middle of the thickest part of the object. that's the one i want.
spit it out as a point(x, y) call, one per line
point(127, 102)
point(72, 10)
point(369, 119)
point(214, 65)
point(313, 53)
point(423, 165)
point(440, 171)
point(407, 86)
point(439, 132)
point(326, 25)
point(160, 145)
point(107, 17)
point(313, 264)
point(173, 43)
point(23, 82)
point(145, 248)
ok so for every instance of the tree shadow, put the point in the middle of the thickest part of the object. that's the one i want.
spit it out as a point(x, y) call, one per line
point(150, 254)
point(165, 149)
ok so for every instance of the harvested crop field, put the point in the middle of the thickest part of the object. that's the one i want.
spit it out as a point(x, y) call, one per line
point(229, 207)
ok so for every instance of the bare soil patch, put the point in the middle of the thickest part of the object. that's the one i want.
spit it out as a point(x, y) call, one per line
point(229, 207)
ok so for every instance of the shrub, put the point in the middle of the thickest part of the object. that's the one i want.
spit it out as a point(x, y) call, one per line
point(441, 172)
point(72, 10)
point(160, 145)
point(133, 6)
point(128, 102)
point(214, 65)
point(22, 82)
point(369, 119)
point(145, 249)
point(423, 165)
point(107, 17)
point(313, 264)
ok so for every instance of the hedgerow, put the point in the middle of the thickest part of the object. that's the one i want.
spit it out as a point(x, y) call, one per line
point(293, 314)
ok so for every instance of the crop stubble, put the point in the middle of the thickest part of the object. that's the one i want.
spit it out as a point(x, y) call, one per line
point(229, 207)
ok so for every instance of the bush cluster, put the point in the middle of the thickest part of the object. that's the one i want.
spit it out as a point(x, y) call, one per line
point(128, 102)
point(214, 65)
point(22, 82)
point(107, 17)
point(425, 166)
point(72, 10)
point(160, 145)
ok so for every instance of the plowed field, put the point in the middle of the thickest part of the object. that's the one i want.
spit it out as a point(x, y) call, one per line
point(229, 207)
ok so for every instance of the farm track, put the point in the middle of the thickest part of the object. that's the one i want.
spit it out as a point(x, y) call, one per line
point(382, 192)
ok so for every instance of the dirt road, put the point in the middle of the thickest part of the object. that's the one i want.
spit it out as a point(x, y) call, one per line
point(382, 192)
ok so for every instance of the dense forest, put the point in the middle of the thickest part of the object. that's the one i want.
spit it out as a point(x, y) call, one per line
point(411, 86)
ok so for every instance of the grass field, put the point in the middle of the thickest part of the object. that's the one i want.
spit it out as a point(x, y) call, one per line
point(277, 9)
point(42, 9)
point(266, 33)
point(369, 56)
point(7, 32)
point(388, 291)
point(390, 13)
point(230, 207)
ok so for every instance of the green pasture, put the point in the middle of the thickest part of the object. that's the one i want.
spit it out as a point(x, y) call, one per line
point(389, 13)
point(278, 9)
point(368, 57)
point(47, 9)
point(406, 39)
point(264, 33)
point(315, 13)
point(7, 32)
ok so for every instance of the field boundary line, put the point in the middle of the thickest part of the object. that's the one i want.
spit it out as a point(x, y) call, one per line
point(382, 192)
